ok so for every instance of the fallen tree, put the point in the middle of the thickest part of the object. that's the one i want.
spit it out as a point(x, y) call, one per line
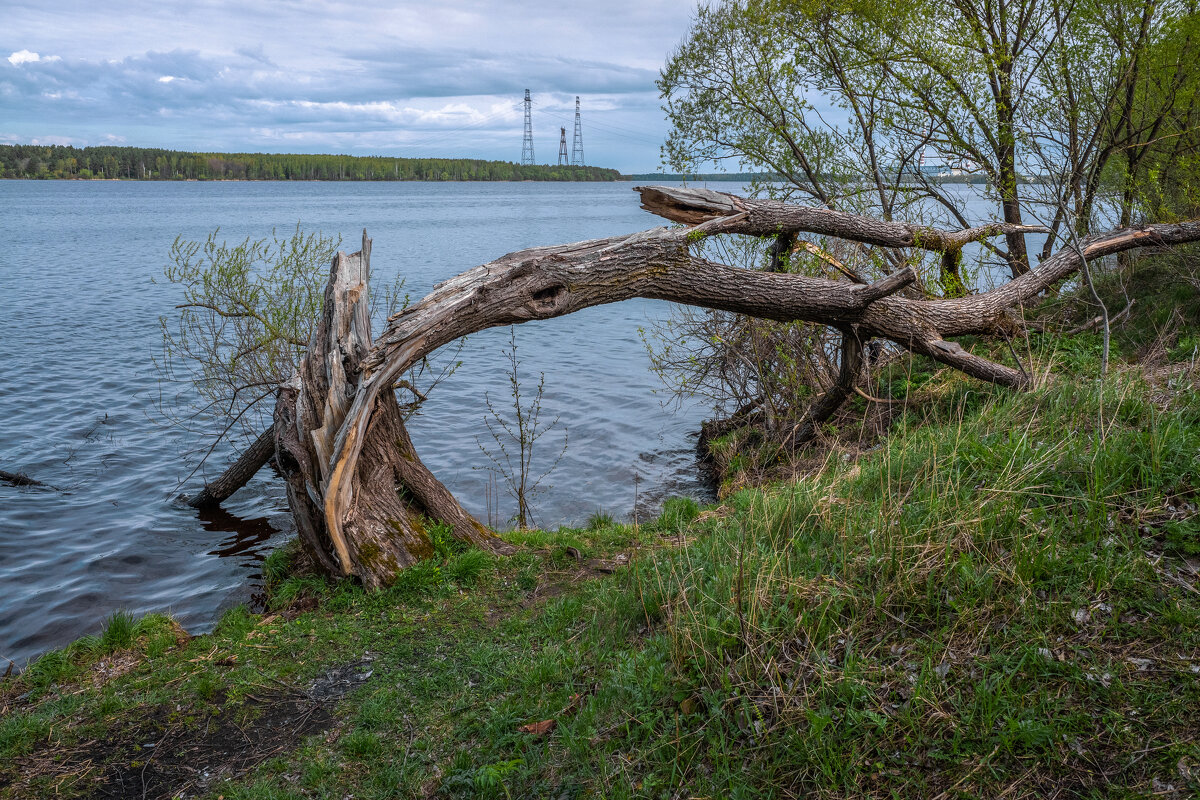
point(362, 498)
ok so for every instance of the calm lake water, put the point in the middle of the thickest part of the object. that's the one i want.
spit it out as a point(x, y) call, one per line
point(78, 391)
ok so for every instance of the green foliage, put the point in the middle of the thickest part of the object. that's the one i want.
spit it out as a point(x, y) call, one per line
point(973, 604)
point(1100, 89)
point(50, 668)
point(468, 568)
point(361, 744)
point(1182, 537)
point(421, 578)
point(119, 632)
point(236, 622)
point(205, 687)
point(677, 513)
point(493, 776)
point(139, 163)
point(599, 519)
point(244, 317)
point(153, 633)
point(18, 732)
point(441, 536)
point(278, 564)
point(296, 588)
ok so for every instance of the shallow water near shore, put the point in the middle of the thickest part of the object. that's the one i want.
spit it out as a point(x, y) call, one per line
point(79, 388)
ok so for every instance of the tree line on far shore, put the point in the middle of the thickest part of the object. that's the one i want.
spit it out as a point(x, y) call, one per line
point(141, 163)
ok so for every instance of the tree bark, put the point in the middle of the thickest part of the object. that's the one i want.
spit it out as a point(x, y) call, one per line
point(238, 474)
point(547, 282)
point(360, 493)
point(393, 497)
point(833, 398)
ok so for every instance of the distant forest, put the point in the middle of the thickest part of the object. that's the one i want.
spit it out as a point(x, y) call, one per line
point(141, 163)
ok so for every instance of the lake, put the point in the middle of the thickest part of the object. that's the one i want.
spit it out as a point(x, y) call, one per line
point(78, 396)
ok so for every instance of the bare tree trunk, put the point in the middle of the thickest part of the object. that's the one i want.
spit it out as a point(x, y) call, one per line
point(239, 473)
point(393, 496)
point(358, 491)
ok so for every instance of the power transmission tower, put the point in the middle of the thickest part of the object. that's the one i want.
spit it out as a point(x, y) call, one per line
point(527, 144)
point(562, 148)
point(577, 146)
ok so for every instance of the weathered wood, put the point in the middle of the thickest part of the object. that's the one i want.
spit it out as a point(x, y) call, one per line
point(358, 491)
point(547, 282)
point(19, 479)
point(252, 459)
point(394, 495)
point(772, 217)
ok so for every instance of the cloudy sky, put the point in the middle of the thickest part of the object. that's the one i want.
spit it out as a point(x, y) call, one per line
point(314, 76)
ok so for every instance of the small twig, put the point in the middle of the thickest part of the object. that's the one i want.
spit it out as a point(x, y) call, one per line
point(866, 396)
point(1017, 358)
point(1097, 320)
point(828, 259)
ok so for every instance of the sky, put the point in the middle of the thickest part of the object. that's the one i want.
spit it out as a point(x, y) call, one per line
point(366, 77)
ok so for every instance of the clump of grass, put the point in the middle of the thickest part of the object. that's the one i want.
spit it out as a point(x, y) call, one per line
point(422, 577)
point(361, 744)
point(153, 633)
point(277, 566)
point(235, 623)
point(468, 568)
point(18, 732)
point(678, 513)
point(119, 632)
point(205, 686)
point(445, 546)
point(599, 519)
point(295, 589)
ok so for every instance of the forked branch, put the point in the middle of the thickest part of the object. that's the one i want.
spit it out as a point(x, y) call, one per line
point(339, 434)
point(547, 282)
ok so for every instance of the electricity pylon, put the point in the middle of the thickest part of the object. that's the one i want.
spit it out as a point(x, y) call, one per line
point(577, 145)
point(527, 144)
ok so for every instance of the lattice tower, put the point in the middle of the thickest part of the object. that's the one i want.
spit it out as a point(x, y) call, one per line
point(527, 143)
point(577, 146)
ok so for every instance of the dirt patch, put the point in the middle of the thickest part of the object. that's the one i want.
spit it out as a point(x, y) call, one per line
point(169, 754)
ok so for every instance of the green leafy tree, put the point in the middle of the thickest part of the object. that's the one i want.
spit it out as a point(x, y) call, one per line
point(845, 99)
point(1062, 112)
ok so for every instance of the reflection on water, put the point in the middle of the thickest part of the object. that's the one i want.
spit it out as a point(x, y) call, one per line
point(247, 537)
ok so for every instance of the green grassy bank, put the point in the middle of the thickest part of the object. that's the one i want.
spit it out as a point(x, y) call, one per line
point(1001, 599)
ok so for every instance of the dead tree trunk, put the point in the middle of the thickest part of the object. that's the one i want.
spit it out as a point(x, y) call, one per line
point(547, 282)
point(238, 474)
point(394, 496)
point(359, 492)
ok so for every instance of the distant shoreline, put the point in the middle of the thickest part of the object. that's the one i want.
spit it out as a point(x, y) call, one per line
point(621, 179)
point(66, 162)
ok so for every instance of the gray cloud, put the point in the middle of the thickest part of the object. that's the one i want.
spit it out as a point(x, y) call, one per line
point(320, 76)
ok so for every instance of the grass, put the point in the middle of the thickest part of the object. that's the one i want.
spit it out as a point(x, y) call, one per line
point(997, 600)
